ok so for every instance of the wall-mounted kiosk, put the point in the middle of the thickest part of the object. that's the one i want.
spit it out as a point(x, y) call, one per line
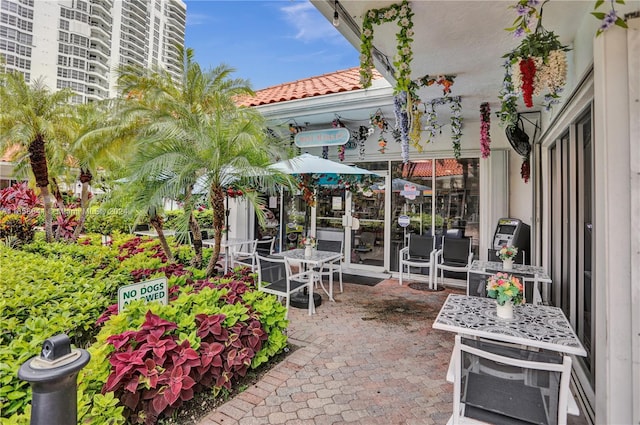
point(512, 232)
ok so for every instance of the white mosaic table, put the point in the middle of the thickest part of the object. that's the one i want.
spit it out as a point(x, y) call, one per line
point(532, 325)
point(481, 270)
point(483, 266)
point(316, 260)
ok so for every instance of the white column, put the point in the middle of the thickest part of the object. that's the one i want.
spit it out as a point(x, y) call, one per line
point(615, 226)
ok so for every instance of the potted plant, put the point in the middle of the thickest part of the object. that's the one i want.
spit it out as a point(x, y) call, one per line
point(507, 291)
point(309, 243)
point(507, 254)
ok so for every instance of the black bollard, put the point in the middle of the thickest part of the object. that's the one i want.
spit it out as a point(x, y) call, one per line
point(52, 376)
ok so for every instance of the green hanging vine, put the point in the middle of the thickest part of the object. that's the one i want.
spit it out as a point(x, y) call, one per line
point(403, 14)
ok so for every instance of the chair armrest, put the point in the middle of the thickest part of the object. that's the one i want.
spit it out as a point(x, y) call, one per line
point(404, 252)
point(470, 260)
point(437, 254)
point(302, 275)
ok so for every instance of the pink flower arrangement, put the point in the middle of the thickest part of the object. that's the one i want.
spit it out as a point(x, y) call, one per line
point(308, 240)
point(485, 126)
point(507, 252)
point(505, 288)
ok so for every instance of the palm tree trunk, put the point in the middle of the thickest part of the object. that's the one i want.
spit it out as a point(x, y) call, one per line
point(156, 222)
point(38, 160)
point(85, 179)
point(197, 241)
point(217, 203)
point(57, 195)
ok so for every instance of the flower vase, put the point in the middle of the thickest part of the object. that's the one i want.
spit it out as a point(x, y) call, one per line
point(507, 264)
point(505, 311)
point(308, 250)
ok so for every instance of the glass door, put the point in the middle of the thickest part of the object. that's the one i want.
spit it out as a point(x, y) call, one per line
point(366, 234)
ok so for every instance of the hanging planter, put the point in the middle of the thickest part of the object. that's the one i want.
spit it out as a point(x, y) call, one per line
point(538, 66)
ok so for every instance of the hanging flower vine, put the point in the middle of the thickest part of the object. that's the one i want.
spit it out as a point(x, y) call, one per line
point(415, 131)
point(363, 133)
point(402, 123)
point(610, 18)
point(456, 125)
point(336, 123)
point(403, 14)
point(537, 65)
point(446, 81)
point(485, 126)
point(433, 128)
point(308, 183)
point(382, 143)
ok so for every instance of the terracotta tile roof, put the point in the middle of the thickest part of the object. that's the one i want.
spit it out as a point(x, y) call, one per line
point(444, 167)
point(334, 82)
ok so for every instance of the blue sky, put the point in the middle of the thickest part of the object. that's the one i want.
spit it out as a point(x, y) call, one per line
point(267, 42)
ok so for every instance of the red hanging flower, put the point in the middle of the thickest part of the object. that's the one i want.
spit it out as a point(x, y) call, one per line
point(528, 70)
point(485, 125)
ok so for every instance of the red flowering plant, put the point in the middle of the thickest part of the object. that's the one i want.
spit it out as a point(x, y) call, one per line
point(537, 65)
point(485, 126)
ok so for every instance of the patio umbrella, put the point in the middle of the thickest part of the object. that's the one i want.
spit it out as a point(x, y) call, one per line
point(310, 164)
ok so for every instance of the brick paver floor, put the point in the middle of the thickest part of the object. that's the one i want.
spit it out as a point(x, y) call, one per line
point(371, 357)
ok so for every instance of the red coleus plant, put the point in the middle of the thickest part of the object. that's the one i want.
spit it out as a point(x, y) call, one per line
point(153, 373)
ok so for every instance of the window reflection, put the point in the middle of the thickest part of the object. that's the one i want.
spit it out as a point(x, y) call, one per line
point(440, 197)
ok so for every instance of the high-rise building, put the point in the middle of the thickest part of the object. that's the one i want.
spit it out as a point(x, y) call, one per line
point(80, 43)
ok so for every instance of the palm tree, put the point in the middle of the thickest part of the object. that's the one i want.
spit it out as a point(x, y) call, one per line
point(194, 133)
point(32, 117)
point(99, 142)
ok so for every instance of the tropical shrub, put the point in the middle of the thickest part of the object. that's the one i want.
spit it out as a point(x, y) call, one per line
point(18, 226)
point(42, 297)
point(107, 221)
point(204, 217)
point(17, 218)
point(211, 333)
point(18, 198)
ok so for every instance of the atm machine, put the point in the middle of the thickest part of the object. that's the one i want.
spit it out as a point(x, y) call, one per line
point(512, 232)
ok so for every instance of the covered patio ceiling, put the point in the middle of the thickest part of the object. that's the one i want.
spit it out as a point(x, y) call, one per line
point(462, 38)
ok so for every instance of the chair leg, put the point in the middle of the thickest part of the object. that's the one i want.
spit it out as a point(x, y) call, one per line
point(401, 270)
point(340, 275)
point(286, 312)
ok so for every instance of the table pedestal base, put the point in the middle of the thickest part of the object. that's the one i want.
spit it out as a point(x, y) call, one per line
point(301, 299)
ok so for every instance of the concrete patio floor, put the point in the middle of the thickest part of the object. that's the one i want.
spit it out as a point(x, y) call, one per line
point(371, 357)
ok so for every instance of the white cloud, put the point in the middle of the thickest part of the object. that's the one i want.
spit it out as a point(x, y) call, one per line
point(310, 25)
point(197, 18)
